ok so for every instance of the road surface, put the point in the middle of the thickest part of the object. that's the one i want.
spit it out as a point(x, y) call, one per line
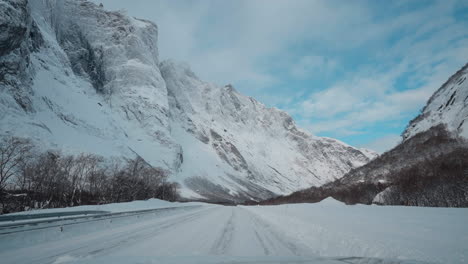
point(198, 231)
point(227, 234)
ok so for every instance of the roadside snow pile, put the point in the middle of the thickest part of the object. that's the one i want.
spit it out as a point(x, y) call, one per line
point(331, 228)
point(113, 207)
point(330, 201)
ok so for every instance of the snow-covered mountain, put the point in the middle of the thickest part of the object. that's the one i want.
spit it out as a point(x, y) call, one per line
point(78, 78)
point(448, 105)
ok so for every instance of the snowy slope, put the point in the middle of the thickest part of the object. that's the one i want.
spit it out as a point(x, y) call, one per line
point(448, 105)
point(91, 81)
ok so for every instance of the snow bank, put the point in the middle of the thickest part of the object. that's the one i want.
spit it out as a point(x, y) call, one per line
point(113, 207)
point(330, 201)
point(334, 229)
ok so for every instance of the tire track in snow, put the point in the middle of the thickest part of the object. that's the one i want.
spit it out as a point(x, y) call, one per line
point(262, 243)
point(146, 233)
point(104, 244)
point(268, 235)
point(223, 242)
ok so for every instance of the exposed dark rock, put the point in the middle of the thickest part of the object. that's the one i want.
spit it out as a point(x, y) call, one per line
point(86, 60)
point(228, 152)
point(19, 37)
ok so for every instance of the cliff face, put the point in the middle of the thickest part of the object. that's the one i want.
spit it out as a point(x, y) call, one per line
point(78, 78)
point(19, 37)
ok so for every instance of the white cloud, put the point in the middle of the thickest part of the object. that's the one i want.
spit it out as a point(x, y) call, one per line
point(364, 101)
point(418, 62)
point(312, 66)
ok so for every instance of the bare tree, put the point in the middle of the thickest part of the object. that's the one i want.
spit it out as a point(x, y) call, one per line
point(13, 153)
point(51, 179)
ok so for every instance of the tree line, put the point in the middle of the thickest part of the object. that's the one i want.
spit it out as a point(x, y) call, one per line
point(32, 179)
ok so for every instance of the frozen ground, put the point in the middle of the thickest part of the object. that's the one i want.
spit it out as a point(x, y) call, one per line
point(327, 232)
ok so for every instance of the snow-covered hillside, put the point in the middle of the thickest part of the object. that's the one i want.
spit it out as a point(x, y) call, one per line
point(77, 78)
point(448, 105)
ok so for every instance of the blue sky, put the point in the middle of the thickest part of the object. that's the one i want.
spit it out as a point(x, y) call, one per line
point(353, 70)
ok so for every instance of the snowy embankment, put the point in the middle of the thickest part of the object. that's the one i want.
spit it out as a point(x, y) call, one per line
point(331, 228)
point(111, 208)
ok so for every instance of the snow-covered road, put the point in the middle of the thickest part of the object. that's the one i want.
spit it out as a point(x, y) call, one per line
point(199, 231)
point(227, 234)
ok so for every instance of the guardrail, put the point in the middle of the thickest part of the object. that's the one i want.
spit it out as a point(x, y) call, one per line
point(18, 217)
point(61, 222)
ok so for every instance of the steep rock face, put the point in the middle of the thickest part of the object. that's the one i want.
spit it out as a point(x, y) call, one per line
point(19, 36)
point(90, 80)
point(117, 54)
point(448, 105)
